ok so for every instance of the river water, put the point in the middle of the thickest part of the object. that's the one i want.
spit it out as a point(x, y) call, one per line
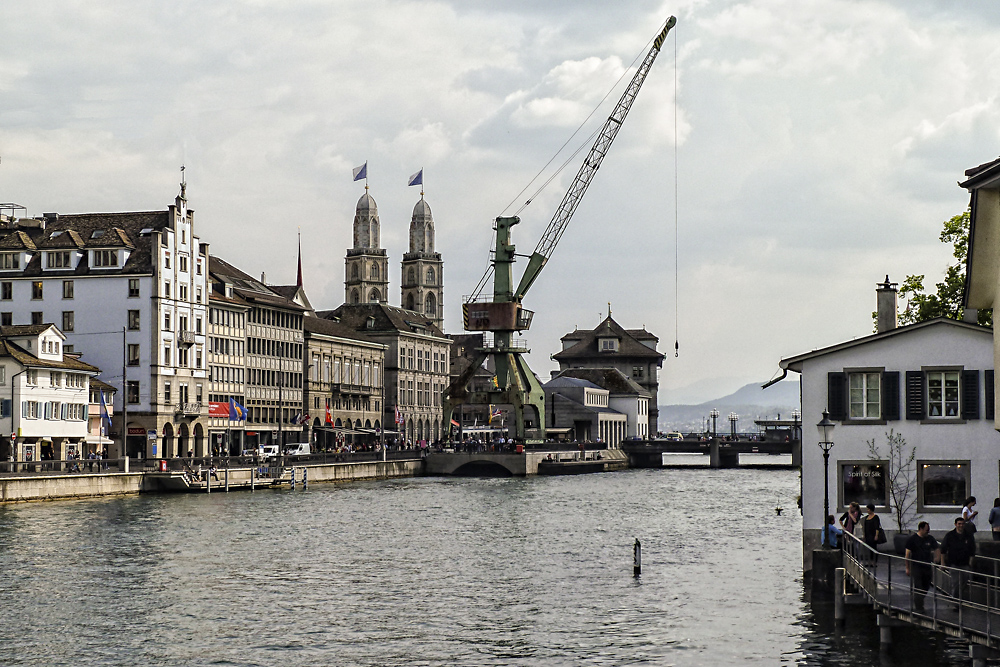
point(432, 571)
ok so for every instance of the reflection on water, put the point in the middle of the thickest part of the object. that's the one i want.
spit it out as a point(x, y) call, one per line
point(432, 571)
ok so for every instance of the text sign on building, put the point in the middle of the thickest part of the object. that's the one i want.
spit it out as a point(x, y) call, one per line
point(136, 430)
point(217, 409)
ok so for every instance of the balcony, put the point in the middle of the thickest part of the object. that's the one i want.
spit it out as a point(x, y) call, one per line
point(344, 388)
point(189, 409)
point(185, 337)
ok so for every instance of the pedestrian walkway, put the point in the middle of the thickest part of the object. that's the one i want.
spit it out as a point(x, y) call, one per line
point(971, 613)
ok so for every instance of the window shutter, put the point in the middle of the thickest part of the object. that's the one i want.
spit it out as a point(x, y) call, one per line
point(890, 395)
point(836, 397)
point(970, 394)
point(988, 392)
point(48, 410)
point(65, 411)
point(915, 407)
point(24, 409)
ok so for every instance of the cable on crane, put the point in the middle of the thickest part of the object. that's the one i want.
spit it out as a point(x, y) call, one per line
point(677, 345)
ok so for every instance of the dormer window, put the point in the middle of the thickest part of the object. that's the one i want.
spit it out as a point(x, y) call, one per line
point(58, 260)
point(103, 258)
point(609, 344)
point(97, 233)
point(10, 260)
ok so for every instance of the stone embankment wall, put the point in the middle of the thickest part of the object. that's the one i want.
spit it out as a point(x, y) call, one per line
point(58, 487)
point(352, 472)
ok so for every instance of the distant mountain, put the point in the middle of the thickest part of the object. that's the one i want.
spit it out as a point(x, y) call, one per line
point(699, 391)
point(750, 402)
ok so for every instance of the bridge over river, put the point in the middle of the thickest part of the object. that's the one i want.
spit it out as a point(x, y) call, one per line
point(721, 453)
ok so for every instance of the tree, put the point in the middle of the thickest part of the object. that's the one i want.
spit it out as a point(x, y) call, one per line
point(901, 480)
point(947, 300)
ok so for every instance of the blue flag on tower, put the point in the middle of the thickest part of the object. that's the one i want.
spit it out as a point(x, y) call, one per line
point(416, 179)
point(361, 172)
point(105, 417)
point(236, 411)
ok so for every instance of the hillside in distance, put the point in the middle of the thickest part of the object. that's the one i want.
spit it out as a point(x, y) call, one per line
point(749, 402)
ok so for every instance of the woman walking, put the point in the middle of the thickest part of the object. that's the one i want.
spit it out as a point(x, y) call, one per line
point(970, 514)
point(871, 531)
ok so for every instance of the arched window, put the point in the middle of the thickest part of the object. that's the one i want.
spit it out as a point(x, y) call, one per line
point(375, 297)
point(374, 271)
point(355, 297)
point(410, 278)
point(430, 276)
point(409, 301)
point(430, 305)
point(354, 272)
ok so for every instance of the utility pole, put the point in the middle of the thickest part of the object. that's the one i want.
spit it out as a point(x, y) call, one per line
point(124, 450)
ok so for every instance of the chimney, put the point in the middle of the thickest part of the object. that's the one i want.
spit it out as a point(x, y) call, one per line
point(886, 302)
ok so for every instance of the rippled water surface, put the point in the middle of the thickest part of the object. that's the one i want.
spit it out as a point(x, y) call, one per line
point(430, 571)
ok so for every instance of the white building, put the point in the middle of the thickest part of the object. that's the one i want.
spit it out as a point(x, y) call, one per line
point(931, 383)
point(124, 286)
point(625, 396)
point(582, 410)
point(45, 409)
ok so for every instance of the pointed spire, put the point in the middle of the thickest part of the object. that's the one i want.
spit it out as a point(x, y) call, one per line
point(298, 279)
point(183, 183)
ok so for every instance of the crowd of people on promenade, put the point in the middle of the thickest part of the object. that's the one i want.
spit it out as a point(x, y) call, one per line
point(956, 551)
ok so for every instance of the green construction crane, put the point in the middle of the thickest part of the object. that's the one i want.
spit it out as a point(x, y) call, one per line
point(502, 314)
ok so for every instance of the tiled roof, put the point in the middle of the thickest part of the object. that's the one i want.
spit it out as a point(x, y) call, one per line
point(611, 379)
point(17, 240)
point(25, 358)
point(95, 383)
point(386, 318)
point(331, 328)
point(24, 329)
point(587, 346)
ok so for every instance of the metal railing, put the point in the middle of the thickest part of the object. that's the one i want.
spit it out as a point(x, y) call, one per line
point(61, 466)
point(962, 599)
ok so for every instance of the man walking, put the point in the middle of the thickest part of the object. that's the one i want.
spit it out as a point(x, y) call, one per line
point(920, 553)
point(957, 550)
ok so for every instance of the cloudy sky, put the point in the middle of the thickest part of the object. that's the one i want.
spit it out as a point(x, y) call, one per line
point(818, 146)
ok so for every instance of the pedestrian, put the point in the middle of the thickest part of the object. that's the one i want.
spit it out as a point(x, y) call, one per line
point(994, 520)
point(833, 533)
point(957, 550)
point(921, 548)
point(969, 514)
point(850, 518)
point(870, 529)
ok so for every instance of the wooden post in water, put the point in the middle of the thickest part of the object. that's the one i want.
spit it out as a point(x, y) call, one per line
point(636, 558)
point(208, 480)
point(253, 471)
point(839, 608)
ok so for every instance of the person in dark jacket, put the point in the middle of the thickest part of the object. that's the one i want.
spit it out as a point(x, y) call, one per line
point(957, 551)
point(871, 526)
point(921, 551)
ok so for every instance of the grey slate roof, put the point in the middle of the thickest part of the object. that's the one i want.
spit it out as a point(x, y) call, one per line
point(611, 379)
point(386, 318)
point(629, 345)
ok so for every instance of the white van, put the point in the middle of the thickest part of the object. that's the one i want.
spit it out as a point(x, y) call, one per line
point(267, 451)
point(298, 449)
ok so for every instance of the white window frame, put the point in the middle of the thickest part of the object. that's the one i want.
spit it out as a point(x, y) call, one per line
point(862, 408)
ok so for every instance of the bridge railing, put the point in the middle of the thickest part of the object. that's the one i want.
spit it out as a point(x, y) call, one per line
point(964, 599)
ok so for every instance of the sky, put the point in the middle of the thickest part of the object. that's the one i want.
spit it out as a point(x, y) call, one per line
point(787, 153)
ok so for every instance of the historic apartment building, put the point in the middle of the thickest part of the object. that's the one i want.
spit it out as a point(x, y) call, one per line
point(129, 286)
point(227, 361)
point(416, 365)
point(631, 351)
point(344, 391)
point(273, 382)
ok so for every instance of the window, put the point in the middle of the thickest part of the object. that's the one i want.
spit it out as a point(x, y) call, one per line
point(942, 484)
point(133, 320)
point(166, 393)
point(58, 260)
point(197, 393)
point(133, 287)
point(133, 354)
point(637, 371)
point(865, 395)
point(609, 345)
point(67, 289)
point(182, 357)
point(36, 317)
point(183, 262)
point(166, 290)
point(166, 260)
point(67, 320)
point(430, 276)
point(6, 319)
point(197, 358)
point(10, 260)
point(166, 354)
point(6, 290)
point(199, 267)
point(132, 392)
point(166, 322)
point(105, 258)
point(942, 394)
point(55, 378)
point(198, 296)
point(183, 292)
point(36, 289)
point(31, 377)
point(863, 483)
point(29, 409)
point(197, 325)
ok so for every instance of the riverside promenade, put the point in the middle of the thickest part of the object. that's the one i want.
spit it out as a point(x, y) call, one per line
point(56, 480)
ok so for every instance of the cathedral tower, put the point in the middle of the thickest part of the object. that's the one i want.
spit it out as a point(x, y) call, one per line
point(422, 268)
point(367, 267)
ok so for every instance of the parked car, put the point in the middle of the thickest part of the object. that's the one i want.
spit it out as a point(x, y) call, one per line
point(674, 436)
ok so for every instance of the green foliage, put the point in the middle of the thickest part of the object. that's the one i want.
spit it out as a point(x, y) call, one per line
point(946, 301)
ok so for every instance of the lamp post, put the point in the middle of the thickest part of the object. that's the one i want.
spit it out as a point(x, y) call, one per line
point(796, 415)
point(714, 414)
point(733, 418)
point(825, 426)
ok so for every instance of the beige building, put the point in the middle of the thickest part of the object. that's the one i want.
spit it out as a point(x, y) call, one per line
point(344, 391)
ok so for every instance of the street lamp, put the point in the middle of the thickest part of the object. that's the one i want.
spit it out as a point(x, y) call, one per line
point(796, 416)
point(714, 414)
point(825, 426)
point(733, 418)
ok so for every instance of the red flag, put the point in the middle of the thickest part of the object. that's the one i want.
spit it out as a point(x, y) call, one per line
point(329, 417)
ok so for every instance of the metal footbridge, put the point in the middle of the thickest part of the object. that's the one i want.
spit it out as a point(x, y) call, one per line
point(961, 603)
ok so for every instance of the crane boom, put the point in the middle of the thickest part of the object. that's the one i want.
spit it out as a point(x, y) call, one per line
point(571, 200)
